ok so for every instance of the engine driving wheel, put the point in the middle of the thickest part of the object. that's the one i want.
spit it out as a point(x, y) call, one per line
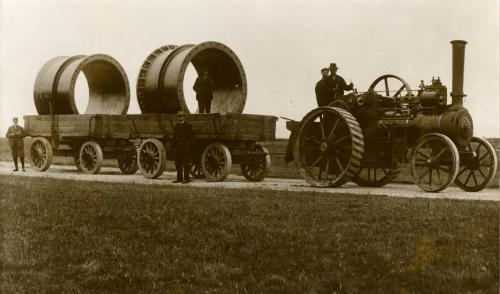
point(256, 167)
point(40, 154)
point(216, 162)
point(434, 162)
point(478, 166)
point(377, 176)
point(329, 147)
point(91, 157)
point(152, 158)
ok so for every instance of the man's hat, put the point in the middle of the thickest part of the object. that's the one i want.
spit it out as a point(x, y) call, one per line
point(324, 68)
point(333, 66)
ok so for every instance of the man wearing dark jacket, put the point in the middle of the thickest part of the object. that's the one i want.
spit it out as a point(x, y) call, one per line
point(204, 87)
point(322, 95)
point(16, 136)
point(183, 143)
point(336, 84)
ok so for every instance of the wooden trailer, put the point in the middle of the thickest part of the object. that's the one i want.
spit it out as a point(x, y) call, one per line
point(144, 141)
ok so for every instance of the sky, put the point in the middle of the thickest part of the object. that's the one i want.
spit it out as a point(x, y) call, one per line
point(282, 45)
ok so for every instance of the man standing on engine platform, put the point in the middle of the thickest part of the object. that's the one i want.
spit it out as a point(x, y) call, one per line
point(16, 136)
point(183, 145)
point(322, 95)
point(336, 84)
point(204, 87)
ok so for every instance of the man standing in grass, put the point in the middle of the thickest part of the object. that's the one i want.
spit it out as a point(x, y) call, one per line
point(16, 136)
point(183, 143)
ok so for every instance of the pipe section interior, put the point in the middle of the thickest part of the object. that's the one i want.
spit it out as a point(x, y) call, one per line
point(160, 81)
point(109, 91)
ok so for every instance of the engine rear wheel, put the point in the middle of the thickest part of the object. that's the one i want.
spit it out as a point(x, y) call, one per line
point(329, 147)
point(478, 166)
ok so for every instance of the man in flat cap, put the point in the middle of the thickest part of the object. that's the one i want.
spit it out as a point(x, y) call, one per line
point(204, 87)
point(16, 135)
point(336, 84)
point(183, 146)
point(322, 95)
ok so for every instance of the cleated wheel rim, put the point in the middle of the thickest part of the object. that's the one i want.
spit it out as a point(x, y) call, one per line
point(196, 170)
point(478, 170)
point(40, 154)
point(434, 162)
point(377, 176)
point(216, 162)
point(256, 168)
point(127, 162)
point(91, 157)
point(329, 147)
point(152, 158)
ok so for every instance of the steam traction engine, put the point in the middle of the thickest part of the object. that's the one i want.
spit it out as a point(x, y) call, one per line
point(367, 137)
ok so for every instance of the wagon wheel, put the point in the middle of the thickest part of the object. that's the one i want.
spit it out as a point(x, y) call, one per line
point(390, 83)
point(127, 162)
point(257, 167)
point(329, 147)
point(378, 176)
point(40, 154)
point(152, 158)
point(478, 169)
point(434, 162)
point(91, 157)
point(216, 162)
point(76, 161)
point(196, 170)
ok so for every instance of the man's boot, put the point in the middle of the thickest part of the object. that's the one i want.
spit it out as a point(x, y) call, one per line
point(22, 163)
point(15, 164)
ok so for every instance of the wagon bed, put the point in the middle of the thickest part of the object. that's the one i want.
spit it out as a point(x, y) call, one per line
point(228, 137)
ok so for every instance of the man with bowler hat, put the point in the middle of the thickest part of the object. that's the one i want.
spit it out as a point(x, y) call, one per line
point(336, 84)
point(183, 145)
point(16, 135)
point(204, 87)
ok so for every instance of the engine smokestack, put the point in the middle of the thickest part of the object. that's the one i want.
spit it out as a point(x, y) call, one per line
point(457, 91)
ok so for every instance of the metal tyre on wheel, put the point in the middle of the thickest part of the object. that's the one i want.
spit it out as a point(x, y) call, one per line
point(478, 169)
point(216, 162)
point(127, 162)
point(256, 168)
point(152, 158)
point(434, 162)
point(91, 158)
point(329, 147)
point(40, 154)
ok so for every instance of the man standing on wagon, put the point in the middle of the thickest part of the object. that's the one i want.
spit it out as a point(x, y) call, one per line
point(204, 87)
point(183, 146)
point(16, 135)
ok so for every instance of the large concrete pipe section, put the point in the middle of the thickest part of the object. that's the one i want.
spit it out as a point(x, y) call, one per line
point(109, 90)
point(161, 78)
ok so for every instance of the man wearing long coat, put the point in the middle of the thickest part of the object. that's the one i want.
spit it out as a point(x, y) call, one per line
point(183, 148)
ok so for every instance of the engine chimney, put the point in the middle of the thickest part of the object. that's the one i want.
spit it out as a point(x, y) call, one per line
point(457, 91)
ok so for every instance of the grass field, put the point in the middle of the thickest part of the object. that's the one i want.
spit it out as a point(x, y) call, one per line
point(71, 237)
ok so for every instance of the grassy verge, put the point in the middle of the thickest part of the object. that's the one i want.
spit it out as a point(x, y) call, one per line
point(66, 236)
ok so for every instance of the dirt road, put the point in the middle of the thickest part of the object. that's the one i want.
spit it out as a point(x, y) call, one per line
point(237, 182)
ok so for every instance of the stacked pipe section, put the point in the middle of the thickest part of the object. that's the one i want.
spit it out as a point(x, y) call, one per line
point(160, 81)
point(109, 91)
